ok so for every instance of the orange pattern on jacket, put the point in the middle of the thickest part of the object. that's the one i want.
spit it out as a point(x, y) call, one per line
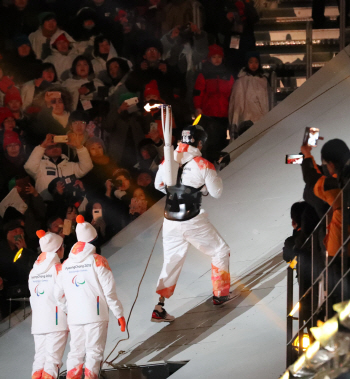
point(41, 258)
point(58, 267)
point(76, 372)
point(203, 163)
point(221, 281)
point(89, 374)
point(47, 376)
point(78, 248)
point(167, 292)
point(333, 239)
point(101, 261)
point(37, 374)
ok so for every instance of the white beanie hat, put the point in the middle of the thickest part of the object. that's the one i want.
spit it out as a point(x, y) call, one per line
point(85, 231)
point(49, 242)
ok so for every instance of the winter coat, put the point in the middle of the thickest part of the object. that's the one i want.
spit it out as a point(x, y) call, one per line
point(88, 284)
point(41, 45)
point(29, 91)
point(100, 65)
point(212, 90)
point(47, 317)
point(198, 171)
point(74, 84)
point(249, 99)
point(327, 189)
point(62, 63)
point(44, 170)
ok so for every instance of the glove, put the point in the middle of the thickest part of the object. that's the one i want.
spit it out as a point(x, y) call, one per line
point(122, 323)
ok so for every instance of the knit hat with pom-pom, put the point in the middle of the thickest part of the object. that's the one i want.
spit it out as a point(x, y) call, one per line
point(85, 231)
point(49, 242)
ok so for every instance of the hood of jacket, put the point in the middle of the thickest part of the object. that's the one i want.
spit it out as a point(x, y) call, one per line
point(80, 251)
point(44, 262)
point(184, 153)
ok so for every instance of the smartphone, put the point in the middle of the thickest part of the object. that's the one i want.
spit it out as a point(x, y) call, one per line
point(311, 135)
point(17, 237)
point(60, 139)
point(67, 227)
point(132, 101)
point(96, 213)
point(294, 158)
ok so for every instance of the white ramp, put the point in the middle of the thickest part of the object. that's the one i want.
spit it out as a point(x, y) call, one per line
point(246, 338)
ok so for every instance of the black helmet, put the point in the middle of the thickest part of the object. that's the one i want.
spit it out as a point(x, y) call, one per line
point(192, 134)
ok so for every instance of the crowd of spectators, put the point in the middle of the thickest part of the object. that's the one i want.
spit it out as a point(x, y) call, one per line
point(323, 184)
point(74, 136)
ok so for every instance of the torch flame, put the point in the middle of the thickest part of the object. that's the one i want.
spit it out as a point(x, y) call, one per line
point(148, 107)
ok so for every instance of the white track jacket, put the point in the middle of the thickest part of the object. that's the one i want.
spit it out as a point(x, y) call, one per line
point(85, 289)
point(43, 170)
point(198, 171)
point(47, 317)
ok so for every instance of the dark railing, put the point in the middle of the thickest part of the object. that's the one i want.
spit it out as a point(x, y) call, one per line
point(328, 277)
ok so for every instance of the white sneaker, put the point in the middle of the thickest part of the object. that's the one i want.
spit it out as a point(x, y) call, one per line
point(159, 314)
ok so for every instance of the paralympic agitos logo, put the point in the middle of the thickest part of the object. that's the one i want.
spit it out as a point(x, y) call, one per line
point(38, 291)
point(78, 281)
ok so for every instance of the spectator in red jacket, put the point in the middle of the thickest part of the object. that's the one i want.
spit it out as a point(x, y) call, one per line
point(212, 93)
point(213, 86)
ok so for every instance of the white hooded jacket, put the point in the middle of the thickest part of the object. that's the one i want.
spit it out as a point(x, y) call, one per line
point(46, 316)
point(197, 172)
point(88, 285)
point(249, 99)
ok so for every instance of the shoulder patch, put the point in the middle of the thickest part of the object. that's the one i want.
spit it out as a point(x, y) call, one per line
point(58, 268)
point(203, 163)
point(182, 148)
point(41, 258)
point(78, 248)
point(101, 261)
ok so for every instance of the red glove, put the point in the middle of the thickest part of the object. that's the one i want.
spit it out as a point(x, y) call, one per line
point(6, 83)
point(122, 323)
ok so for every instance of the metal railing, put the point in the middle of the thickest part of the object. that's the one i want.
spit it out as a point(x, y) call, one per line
point(329, 282)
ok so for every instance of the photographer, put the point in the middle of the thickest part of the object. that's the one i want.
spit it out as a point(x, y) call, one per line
point(184, 48)
point(153, 68)
point(335, 157)
point(47, 162)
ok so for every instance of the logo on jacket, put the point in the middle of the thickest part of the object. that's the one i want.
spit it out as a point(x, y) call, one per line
point(39, 291)
point(78, 281)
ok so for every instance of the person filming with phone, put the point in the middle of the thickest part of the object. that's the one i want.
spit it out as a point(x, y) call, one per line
point(47, 162)
point(335, 156)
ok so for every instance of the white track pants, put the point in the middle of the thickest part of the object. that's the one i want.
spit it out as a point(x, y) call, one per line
point(87, 344)
point(49, 349)
point(199, 232)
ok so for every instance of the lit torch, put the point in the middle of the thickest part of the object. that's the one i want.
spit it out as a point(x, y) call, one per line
point(170, 166)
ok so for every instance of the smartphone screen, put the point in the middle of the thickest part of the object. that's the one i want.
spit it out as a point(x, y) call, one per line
point(294, 158)
point(67, 227)
point(311, 136)
point(96, 213)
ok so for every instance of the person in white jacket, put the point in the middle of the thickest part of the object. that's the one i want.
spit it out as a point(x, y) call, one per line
point(186, 223)
point(86, 290)
point(249, 100)
point(49, 322)
point(83, 85)
point(47, 162)
point(63, 53)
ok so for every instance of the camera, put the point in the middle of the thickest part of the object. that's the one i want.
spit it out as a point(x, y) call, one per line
point(311, 136)
point(294, 158)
